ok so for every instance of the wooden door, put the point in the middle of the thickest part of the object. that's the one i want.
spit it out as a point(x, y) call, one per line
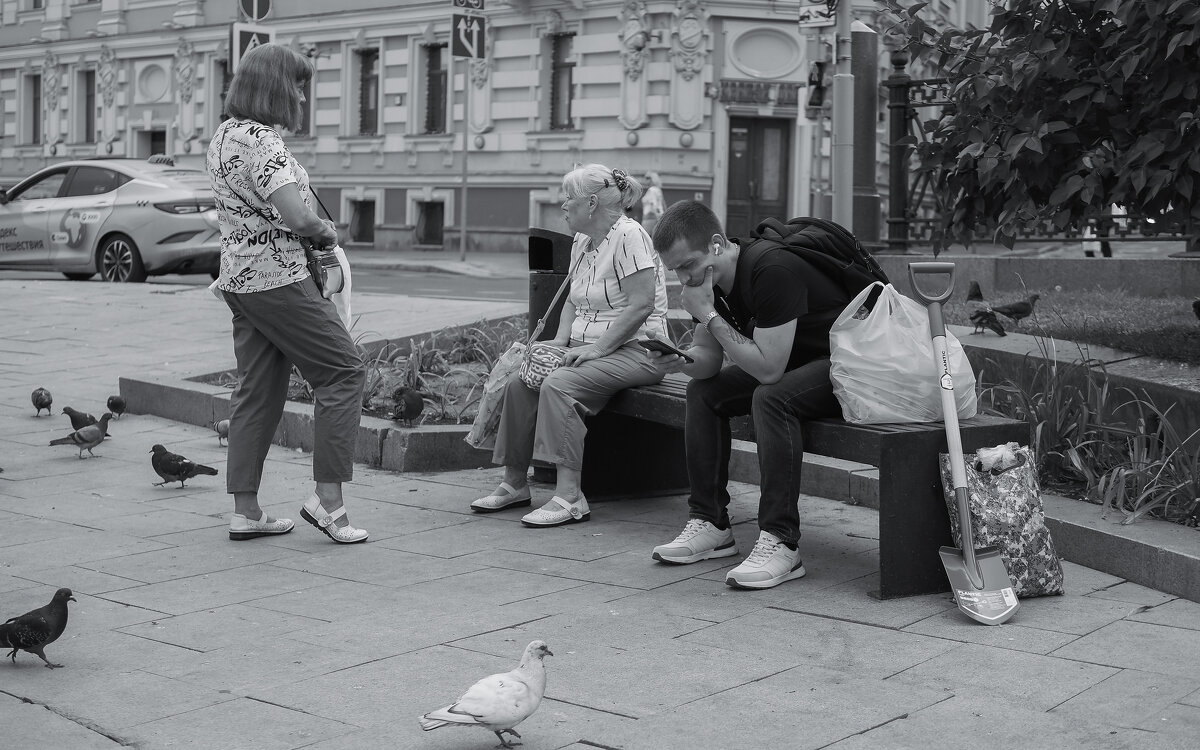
point(759, 174)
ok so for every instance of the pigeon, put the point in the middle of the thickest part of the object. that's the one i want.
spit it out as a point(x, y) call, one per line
point(78, 418)
point(116, 404)
point(35, 630)
point(985, 318)
point(1018, 310)
point(499, 702)
point(222, 429)
point(173, 467)
point(409, 404)
point(86, 438)
point(41, 399)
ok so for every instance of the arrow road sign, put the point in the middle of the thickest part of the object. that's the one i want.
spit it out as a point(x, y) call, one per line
point(467, 36)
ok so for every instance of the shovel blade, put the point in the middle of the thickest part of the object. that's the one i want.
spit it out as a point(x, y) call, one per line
point(995, 601)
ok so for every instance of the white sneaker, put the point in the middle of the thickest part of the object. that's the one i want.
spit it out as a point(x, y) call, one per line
point(770, 563)
point(699, 540)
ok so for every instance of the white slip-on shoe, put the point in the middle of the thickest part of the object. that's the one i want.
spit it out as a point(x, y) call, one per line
point(314, 513)
point(699, 540)
point(770, 563)
point(242, 528)
point(504, 496)
point(559, 511)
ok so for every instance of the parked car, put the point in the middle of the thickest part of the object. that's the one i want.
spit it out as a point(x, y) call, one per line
point(125, 219)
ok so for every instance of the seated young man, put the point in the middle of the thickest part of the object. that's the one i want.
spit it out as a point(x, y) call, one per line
point(770, 312)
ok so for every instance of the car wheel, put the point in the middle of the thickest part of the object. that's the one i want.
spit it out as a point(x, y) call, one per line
point(119, 260)
point(79, 276)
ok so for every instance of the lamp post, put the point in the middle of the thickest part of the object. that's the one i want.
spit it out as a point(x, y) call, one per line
point(843, 119)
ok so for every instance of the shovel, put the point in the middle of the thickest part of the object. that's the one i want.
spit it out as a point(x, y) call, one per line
point(981, 585)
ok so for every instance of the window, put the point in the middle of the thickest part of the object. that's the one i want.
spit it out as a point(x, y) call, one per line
point(94, 181)
point(33, 111)
point(368, 92)
point(85, 107)
point(430, 217)
point(561, 69)
point(37, 4)
point(435, 88)
point(362, 221)
point(47, 187)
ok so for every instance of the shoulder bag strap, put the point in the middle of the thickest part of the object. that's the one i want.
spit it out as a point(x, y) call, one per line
point(537, 330)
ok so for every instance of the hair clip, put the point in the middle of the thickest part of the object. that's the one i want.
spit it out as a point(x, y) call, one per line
point(620, 178)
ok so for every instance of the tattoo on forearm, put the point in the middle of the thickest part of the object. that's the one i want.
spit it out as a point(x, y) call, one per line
point(734, 335)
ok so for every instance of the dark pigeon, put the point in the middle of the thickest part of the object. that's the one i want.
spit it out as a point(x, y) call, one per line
point(222, 429)
point(79, 419)
point(409, 404)
point(116, 405)
point(987, 319)
point(1018, 310)
point(86, 438)
point(173, 467)
point(35, 630)
point(42, 399)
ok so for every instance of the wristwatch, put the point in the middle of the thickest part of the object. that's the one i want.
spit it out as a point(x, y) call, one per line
point(712, 315)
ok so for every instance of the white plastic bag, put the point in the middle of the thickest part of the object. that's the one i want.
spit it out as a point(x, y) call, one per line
point(882, 364)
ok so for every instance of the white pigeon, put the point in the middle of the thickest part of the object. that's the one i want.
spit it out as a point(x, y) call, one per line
point(501, 701)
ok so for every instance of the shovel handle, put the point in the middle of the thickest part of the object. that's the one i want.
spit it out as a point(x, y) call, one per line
point(931, 267)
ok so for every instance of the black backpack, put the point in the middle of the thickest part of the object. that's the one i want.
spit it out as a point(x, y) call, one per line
point(825, 245)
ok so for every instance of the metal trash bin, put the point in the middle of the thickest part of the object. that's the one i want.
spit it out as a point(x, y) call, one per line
point(549, 263)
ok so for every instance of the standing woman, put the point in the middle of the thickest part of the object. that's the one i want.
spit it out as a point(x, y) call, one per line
point(280, 317)
point(618, 294)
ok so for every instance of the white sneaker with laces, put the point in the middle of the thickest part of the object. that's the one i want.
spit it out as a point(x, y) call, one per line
point(770, 563)
point(699, 540)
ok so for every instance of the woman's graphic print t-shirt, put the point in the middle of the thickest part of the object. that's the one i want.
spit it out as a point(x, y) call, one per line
point(247, 162)
point(597, 290)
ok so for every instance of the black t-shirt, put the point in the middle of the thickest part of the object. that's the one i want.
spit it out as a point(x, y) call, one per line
point(773, 285)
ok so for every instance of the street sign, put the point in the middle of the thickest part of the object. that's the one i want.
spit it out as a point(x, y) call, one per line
point(245, 37)
point(470, 4)
point(467, 36)
point(255, 10)
point(816, 14)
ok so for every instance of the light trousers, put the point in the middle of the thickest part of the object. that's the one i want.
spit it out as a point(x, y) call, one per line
point(273, 330)
point(547, 425)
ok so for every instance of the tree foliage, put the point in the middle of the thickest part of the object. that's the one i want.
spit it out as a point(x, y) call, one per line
point(1060, 109)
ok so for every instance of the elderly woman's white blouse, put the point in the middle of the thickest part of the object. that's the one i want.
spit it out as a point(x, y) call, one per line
point(597, 289)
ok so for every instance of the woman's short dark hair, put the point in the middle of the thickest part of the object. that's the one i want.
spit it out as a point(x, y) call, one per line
point(264, 87)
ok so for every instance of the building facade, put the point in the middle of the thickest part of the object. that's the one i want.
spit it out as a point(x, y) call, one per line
point(708, 94)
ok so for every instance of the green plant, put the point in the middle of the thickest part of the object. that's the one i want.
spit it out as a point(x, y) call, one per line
point(1143, 470)
point(1059, 109)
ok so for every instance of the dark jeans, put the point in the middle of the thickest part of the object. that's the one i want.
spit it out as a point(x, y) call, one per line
point(779, 410)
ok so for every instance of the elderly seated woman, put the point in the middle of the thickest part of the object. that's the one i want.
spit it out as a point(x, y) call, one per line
point(617, 295)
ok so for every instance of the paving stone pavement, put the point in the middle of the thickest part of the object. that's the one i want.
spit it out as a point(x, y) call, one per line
point(182, 638)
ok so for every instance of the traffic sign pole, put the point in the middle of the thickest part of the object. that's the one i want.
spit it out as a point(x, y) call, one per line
point(462, 243)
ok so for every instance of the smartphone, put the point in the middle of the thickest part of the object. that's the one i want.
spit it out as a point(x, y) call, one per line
point(664, 347)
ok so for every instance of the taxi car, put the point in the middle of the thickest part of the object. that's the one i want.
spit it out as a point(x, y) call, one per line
point(125, 219)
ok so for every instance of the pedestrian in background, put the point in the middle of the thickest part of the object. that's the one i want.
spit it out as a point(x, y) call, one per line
point(653, 203)
point(280, 316)
point(618, 294)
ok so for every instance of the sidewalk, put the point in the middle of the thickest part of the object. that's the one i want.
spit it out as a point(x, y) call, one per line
point(181, 638)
